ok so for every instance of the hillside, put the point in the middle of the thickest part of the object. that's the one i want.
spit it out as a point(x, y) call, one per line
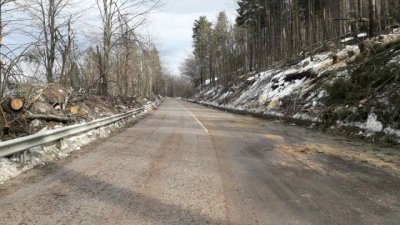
point(344, 89)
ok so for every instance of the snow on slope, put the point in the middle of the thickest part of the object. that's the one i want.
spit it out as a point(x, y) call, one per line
point(276, 84)
point(292, 91)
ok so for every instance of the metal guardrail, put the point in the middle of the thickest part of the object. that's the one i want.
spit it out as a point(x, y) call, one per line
point(20, 145)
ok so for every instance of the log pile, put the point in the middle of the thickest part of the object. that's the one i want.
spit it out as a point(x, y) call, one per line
point(55, 105)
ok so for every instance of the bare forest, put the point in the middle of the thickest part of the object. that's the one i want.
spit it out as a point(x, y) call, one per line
point(94, 47)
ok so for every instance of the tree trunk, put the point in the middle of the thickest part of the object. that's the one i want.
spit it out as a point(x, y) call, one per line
point(371, 8)
point(49, 117)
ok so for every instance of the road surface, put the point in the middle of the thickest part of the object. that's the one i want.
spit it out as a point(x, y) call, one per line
point(188, 164)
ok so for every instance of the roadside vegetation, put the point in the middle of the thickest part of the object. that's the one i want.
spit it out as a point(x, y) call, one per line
point(85, 53)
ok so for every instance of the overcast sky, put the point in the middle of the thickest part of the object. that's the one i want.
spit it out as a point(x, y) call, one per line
point(171, 26)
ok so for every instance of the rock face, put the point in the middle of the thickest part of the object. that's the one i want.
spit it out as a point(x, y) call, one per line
point(346, 89)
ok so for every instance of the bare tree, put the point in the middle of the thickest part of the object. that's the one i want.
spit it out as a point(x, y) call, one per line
point(9, 56)
point(3, 3)
point(50, 17)
point(66, 48)
point(134, 13)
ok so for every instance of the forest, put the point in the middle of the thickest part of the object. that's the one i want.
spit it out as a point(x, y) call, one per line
point(269, 32)
point(96, 47)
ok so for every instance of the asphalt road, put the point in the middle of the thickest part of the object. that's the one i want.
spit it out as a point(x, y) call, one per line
point(188, 164)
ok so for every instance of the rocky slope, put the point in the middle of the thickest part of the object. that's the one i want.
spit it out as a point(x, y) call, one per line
point(347, 89)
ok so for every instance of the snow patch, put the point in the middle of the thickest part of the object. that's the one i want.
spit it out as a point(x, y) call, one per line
point(252, 78)
point(373, 124)
point(274, 84)
point(362, 35)
point(208, 81)
point(322, 94)
point(9, 169)
point(395, 60)
point(344, 40)
point(391, 131)
point(303, 116)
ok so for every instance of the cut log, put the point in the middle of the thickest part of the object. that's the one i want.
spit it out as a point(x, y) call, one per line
point(49, 117)
point(41, 108)
point(73, 109)
point(16, 104)
point(12, 105)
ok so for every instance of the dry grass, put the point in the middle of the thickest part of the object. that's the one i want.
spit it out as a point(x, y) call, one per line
point(277, 138)
point(388, 161)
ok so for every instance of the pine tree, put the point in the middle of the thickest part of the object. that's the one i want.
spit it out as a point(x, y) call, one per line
point(271, 31)
point(222, 46)
point(201, 38)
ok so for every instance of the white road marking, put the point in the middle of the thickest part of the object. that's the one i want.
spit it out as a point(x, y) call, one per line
point(198, 121)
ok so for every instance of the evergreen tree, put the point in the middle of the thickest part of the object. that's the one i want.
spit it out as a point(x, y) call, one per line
point(201, 38)
point(222, 37)
point(270, 31)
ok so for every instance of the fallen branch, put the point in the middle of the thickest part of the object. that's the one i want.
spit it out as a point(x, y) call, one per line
point(49, 117)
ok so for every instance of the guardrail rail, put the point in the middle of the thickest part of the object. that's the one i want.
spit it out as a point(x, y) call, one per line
point(22, 145)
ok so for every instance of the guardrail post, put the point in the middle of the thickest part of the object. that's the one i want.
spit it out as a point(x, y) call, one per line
point(59, 143)
point(140, 111)
point(22, 157)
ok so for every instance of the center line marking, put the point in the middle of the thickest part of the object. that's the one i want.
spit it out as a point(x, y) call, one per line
point(198, 121)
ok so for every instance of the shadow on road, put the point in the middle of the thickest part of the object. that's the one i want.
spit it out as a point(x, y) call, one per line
point(136, 203)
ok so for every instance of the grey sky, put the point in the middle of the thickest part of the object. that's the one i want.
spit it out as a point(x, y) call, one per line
point(171, 26)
